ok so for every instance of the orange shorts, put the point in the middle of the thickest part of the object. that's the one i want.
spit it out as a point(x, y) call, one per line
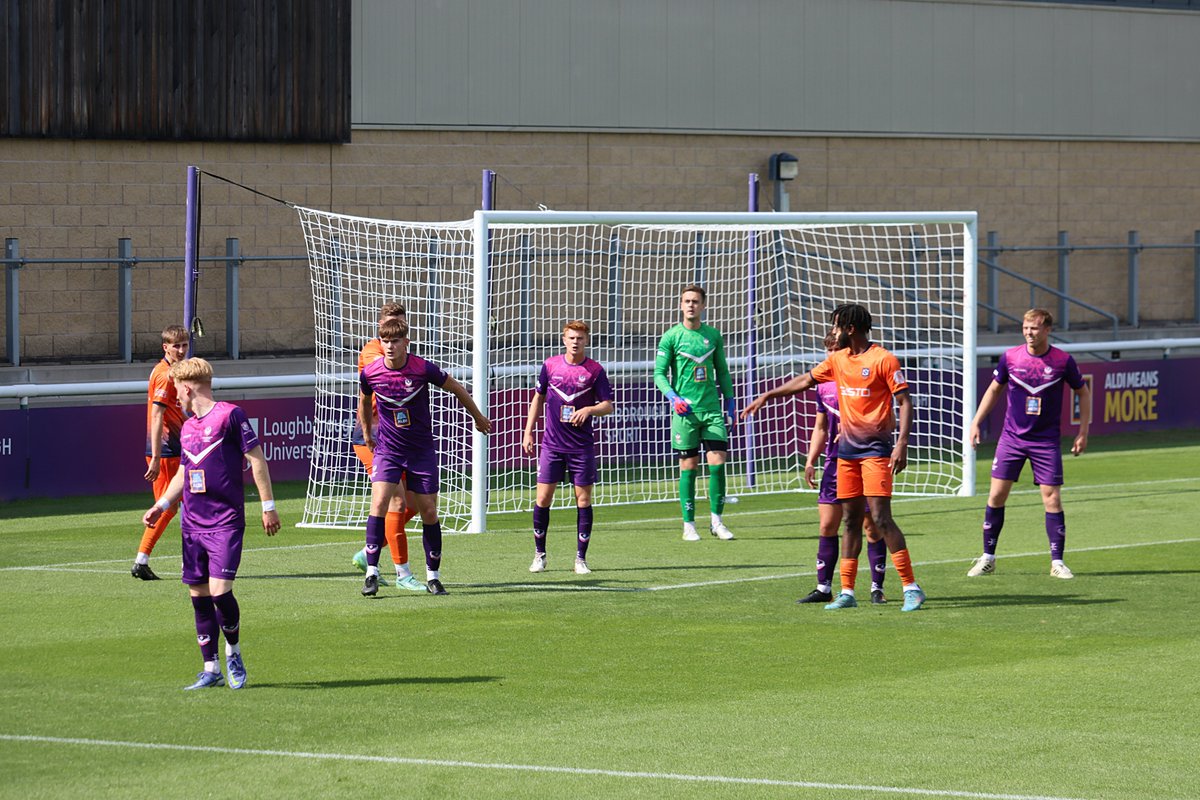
point(167, 467)
point(857, 477)
point(365, 456)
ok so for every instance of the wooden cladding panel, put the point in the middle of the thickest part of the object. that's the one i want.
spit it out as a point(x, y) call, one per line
point(239, 70)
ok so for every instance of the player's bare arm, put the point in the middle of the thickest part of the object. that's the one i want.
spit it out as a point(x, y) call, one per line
point(157, 416)
point(170, 497)
point(535, 411)
point(1084, 394)
point(816, 445)
point(602, 409)
point(899, 459)
point(794, 386)
point(366, 420)
point(262, 480)
point(990, 398)
point(482, 423)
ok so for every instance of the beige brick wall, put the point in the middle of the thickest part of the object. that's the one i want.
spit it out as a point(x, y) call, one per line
point(65, 199)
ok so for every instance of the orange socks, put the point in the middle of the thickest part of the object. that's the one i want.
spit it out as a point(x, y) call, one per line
point(904, 568)
point(849, 571)
point(397, 540)
point(151, 535)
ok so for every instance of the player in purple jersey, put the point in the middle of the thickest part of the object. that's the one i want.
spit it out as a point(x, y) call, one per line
point(824, 439)
point(572, 388)
point(215, 441)
point(1034, 374)
point(404, 452)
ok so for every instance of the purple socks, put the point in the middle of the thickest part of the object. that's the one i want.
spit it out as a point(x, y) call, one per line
point(993, 523)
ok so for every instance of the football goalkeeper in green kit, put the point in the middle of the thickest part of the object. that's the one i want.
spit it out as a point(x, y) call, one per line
point(690, 370)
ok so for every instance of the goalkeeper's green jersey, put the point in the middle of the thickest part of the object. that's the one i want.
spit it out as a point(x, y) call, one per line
point(692, 364)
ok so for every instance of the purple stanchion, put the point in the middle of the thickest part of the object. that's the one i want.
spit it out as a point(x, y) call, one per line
point(489, 190)
point(191, 269)
point(751, 334)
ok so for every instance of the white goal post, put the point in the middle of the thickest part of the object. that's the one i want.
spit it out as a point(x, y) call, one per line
point(487, 299)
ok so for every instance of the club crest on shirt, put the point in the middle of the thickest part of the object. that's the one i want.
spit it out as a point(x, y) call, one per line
point(866, 371)
point(1047, 370)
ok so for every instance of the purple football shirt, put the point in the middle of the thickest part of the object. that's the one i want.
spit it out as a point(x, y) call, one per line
point(402, 403)
point(1035, 392)
point(214, 448)
point(568, 387)
point(827, 401)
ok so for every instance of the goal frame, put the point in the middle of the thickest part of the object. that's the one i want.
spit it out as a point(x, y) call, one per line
point(484, 220)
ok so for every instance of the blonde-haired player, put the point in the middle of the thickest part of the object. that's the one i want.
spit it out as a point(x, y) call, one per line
point(216, 442)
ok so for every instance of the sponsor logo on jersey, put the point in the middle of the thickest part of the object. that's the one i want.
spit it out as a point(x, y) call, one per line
point(855, 391)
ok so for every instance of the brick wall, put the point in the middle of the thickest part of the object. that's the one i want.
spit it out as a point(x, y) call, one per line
point(75, 199)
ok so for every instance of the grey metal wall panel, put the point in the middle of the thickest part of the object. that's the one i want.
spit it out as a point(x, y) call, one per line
point(876, 67)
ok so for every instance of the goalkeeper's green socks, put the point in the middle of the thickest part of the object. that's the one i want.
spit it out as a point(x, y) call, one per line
point(687, 494)
point(716, 488)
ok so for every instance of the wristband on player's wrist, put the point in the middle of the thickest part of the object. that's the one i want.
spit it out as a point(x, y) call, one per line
point(164, 504)
point(268, 505)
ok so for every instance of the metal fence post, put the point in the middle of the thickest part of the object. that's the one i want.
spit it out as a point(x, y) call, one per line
point(1064, 281)
point(993, 288)
point(12, 301)
point(1196, 276)
point(1131, 293)
point(233, 264)
point(125, 299)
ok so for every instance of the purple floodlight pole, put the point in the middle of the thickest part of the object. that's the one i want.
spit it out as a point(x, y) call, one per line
point(751, 335)
point(191, 270)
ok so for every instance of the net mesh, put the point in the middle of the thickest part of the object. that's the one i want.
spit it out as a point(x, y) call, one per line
point(770, 290)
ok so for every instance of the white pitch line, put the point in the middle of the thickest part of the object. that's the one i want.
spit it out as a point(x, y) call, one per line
point(920, 564)
point(537, 768)
point(642, 521)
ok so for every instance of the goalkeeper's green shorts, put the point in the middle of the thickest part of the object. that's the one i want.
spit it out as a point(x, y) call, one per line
point(702, 425)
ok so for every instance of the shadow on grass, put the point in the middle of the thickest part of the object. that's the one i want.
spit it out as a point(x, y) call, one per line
point(396, 681)
point(982, 601)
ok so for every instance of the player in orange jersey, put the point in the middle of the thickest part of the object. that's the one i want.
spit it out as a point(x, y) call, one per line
point(164, 418)
point(868, 378)
point(400, 511)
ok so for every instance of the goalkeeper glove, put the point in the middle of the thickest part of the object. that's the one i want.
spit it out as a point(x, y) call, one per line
point(731, 409)
point(682, 407)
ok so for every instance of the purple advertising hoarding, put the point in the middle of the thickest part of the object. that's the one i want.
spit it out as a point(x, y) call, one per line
point(1127, 396)
point(40, 447)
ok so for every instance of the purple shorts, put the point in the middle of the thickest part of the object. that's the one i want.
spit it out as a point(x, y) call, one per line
point(212, 554)
point(552, 467)
point(419, 473)
point(827, 493)
point(1045, 458)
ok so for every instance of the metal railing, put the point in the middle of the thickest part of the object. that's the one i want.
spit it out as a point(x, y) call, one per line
point(1064, 300)
point(125, 261)
point(991, 250)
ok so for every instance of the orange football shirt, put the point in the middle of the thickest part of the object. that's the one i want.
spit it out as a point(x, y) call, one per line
point(866, 384)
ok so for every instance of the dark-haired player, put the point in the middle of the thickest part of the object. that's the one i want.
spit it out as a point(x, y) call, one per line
point(405, 454)
point(869, 379)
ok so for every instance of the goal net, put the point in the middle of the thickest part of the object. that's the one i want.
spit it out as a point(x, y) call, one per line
point(487, 300)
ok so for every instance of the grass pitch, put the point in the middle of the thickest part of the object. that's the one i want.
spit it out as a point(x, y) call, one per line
point(675, 670)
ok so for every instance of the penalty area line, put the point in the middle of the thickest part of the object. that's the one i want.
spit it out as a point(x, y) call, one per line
point(533, 768)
